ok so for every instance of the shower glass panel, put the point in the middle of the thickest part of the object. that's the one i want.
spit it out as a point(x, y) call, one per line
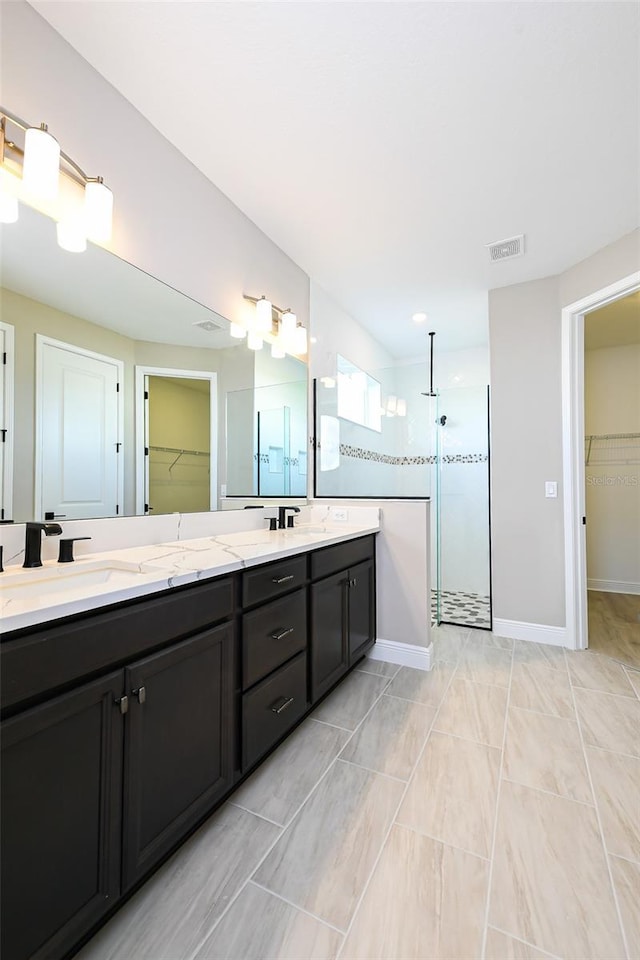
point(461, 552)
point(266, 440)
point(372, 433)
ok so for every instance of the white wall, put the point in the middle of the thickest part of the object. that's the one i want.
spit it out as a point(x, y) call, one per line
point(168, 218)
point(612, 405)
point(526, 416)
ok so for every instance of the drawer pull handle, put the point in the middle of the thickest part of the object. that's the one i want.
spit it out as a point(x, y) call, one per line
point(280, 705)
point(282, 634)
point(141, 694)
point(280, 580)
point(123, 703)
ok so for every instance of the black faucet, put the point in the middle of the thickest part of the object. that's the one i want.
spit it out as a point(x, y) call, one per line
point(282, 512)
point(33, 541)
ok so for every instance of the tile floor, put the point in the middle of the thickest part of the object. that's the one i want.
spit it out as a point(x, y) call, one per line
point(487, 809)
point(457, 607)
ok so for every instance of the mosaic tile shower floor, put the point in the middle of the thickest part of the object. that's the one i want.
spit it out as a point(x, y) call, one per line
point(465, 609)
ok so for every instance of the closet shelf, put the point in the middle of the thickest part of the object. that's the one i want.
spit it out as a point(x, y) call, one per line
point(612, 448)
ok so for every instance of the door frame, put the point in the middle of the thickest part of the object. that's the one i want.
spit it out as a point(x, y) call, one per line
point(145, 371)
point(575, 554)
point(41, 342)
point(9, 420)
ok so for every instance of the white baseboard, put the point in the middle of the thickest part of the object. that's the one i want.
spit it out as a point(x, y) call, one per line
point(406, 654)
point(535, 632)
point(613, 586)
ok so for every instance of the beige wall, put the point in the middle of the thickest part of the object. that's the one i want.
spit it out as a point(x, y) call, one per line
point(612, 405)
point(234, 367)
point(526, 418)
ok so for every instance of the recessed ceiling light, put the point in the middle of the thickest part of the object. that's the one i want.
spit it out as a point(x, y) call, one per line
point(419, 317)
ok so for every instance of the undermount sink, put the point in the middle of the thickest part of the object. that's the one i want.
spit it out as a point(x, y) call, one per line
point(47, 580)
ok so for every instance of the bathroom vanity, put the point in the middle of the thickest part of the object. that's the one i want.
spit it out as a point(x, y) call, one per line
point(127, 722)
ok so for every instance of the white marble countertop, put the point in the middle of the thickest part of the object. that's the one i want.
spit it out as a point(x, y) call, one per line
point(34, 596)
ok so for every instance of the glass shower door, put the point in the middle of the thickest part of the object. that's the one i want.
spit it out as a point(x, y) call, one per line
point(461, 544)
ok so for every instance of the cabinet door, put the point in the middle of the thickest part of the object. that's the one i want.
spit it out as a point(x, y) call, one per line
point(361, 609)
point(61, 803)
point(178, 757)
point(329, 653)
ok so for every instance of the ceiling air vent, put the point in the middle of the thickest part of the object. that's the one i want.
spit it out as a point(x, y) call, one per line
point(208, 325)
point(506, 249)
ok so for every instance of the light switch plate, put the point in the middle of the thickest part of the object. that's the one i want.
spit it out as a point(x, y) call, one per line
point(551, 488)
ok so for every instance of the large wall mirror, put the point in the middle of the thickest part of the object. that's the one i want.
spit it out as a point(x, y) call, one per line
point(127, 397)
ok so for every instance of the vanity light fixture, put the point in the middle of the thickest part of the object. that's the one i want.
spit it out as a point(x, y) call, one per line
point(254, 340)
point(273, 325)
point(32, 173)
point(237, 330)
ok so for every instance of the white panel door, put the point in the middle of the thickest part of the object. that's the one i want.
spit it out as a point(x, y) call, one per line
point(78, 433)
point(6, 421)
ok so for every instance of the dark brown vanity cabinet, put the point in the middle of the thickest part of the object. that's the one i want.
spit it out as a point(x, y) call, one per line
point(61, 810)
point(178, 744)
point(342, 610)
point(124, 727)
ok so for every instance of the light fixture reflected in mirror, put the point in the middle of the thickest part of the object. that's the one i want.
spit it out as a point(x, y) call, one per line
point(254, 340)
point(38, 166)
point(237, 331)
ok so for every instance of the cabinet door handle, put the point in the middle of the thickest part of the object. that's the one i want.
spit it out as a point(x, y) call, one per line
point(354, 582)
point(282, 634)
point(280, 580)
point(280, 705)
point(123, 703)
point(141, 694)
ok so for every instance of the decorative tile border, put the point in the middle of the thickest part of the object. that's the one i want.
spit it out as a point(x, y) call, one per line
point(264, 458)
point(361, 453)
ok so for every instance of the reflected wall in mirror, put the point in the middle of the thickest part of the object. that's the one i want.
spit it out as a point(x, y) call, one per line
point(96, 304)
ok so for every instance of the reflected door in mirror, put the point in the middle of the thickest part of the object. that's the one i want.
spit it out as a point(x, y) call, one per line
point(77, 432)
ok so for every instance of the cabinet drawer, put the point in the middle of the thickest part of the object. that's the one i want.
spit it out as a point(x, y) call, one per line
point(266, 583)
point(331, 559)
point(271, 635)
point(272, 708)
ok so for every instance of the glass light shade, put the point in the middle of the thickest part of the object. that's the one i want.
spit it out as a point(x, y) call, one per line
point(419, 317)
point(328, 382)
point(8, 208)
point(254, 340)
point(98, 211)
point(392, 403)
point(401, 409)
point(41, 169)
point(71, 235)
point(288, 325)
point(237, 331)
point(277, 350)
point(264, 316)
point(300, 341)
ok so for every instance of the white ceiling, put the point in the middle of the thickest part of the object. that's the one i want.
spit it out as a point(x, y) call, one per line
point(381, 145)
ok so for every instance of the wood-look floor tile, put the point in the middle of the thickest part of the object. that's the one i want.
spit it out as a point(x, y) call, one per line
point(550, 882)
point(484, 664)
point(280, 785)
point(634, 679)
point(423, 686)
point(322, 861)
point(379, 668)
point(391, 737)
point(491, 639)
point(347, 705)
point(609, 721)
point(452, 796)
point(546, 753)
point(616, 782)
point(526, 651)
point(596, 672)
point(425, 900)
point(448, 641)
point(172, 913)
point(626, 880)
point(499, 946)
point(535, 686)
point(475, 711)
point(260, 926)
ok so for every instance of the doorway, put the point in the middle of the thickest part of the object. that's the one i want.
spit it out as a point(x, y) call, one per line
point(574, 452)
point(6, 420)
point(79, 424)
point(176, 441)
point(612, 477)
